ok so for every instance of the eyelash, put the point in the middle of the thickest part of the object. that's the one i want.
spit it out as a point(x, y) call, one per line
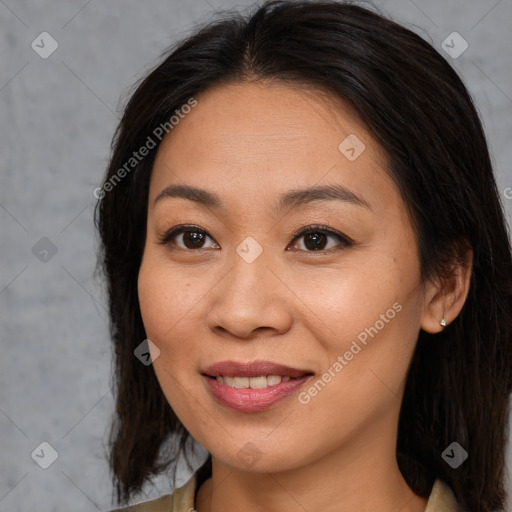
point(345, 241)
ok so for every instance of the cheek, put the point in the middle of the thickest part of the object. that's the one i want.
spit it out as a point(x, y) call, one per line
point(364, 373)
point(374, 299)
point(167, 307)
point(166, 300)
point(164, 303)
point(371, 316)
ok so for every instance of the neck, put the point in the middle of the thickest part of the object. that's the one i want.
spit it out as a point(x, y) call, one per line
point(362, 475)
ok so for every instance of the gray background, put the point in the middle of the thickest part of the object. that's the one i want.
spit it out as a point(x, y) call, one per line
point(57, 119)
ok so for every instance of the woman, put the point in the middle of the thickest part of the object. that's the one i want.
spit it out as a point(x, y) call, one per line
point(301, 232)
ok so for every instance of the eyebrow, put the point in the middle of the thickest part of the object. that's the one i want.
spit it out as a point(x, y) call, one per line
point(290, 199)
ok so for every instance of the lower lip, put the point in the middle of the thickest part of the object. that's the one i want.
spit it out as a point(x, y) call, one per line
point(253, 400)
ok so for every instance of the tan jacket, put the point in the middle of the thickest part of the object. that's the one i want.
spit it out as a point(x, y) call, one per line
point(441, 499)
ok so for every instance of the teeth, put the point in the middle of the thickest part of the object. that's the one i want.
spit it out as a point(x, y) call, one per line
point(241, 382)
point(260, 382)
point(273, 380)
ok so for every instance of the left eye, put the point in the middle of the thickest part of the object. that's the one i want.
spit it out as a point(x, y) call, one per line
point(315, 238)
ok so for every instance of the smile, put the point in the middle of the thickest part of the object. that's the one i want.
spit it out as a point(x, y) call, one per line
point(255, 386)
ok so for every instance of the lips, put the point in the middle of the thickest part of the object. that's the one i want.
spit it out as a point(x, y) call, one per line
point(253, 387)
point(254, 369)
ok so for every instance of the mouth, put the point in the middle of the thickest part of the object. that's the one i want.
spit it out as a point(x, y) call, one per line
point(255, 386)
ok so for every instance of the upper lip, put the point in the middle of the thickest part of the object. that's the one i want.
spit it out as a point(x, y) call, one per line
point(253, 369)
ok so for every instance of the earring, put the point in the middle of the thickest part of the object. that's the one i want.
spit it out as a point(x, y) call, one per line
point(443, 321)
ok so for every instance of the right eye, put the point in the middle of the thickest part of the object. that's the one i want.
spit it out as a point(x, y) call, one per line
point(191, 237)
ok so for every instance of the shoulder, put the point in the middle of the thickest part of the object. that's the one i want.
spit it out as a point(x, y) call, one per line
point(181, 500)
point(441, 498)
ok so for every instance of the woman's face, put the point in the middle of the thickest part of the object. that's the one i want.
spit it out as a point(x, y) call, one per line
point(339, 311)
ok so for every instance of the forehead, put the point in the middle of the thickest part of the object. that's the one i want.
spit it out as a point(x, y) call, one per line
point(252, 139)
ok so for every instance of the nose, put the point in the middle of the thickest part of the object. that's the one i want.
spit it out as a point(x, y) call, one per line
point(250, 301)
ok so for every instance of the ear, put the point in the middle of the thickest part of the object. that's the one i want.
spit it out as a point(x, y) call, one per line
point(445, 297)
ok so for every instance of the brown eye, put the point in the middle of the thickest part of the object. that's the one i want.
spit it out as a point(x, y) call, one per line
point(315, 241)
point(317, 238)
point(186, 238)
point(193, 239)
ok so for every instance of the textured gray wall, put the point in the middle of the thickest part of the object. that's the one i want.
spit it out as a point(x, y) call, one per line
point(57, 118)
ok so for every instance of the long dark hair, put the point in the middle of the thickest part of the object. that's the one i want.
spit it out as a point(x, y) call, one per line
point(414, 104)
